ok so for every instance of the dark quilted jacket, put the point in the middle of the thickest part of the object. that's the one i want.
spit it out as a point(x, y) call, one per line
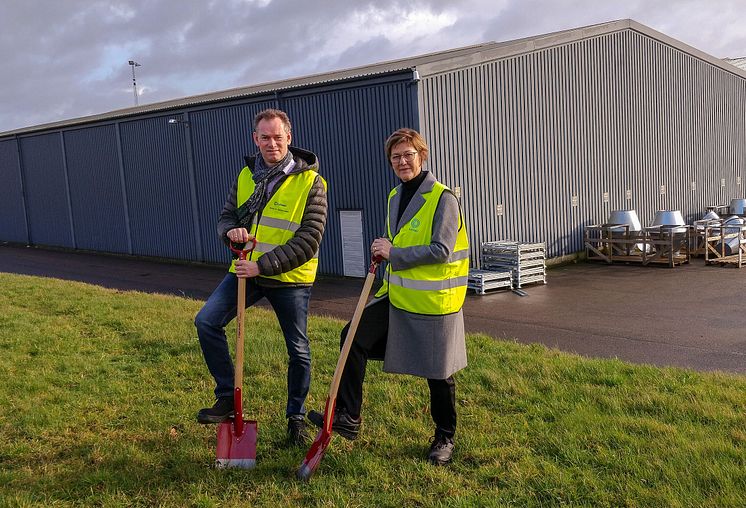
point(305, 242)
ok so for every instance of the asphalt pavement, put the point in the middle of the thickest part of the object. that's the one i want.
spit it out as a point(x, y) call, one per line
point(690, 316)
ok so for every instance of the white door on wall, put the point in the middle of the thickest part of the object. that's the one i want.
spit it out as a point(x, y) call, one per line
point(353, 259)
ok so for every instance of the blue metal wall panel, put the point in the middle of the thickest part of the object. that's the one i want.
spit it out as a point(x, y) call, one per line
point(157, 177)
point(347, 129)
point(95, 189)
point(12, 212)
point(609, 119)
point(220, 138)
point(46, 190)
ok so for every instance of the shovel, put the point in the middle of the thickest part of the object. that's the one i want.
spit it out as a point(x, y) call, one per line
point(318, 448)
point(236, 436)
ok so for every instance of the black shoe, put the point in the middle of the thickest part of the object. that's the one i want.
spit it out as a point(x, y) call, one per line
point(441, 450)
point(219, 412)
point(343, 424)
point(297, 433)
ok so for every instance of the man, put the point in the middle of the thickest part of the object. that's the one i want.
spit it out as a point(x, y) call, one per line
point(280, 199)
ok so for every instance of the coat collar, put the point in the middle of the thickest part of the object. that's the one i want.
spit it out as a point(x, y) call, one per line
point(414, 204)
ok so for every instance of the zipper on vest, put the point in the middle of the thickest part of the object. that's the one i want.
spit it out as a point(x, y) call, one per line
point(255, 227)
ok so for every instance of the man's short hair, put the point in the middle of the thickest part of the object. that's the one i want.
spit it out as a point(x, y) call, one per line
point(269, 114)
point(411, 136)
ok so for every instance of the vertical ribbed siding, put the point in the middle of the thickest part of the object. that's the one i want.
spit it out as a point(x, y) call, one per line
point(12, 211)
point(157, 181)
point(605, 115)
point(95, 189)
point(347, 129)
point(46, 190)
point(220, 138)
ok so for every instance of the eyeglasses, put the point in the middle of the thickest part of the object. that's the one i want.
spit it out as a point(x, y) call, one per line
point(408, 156)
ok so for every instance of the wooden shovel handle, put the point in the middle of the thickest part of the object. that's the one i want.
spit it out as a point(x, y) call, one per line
point(240, 313)
point(353, 328)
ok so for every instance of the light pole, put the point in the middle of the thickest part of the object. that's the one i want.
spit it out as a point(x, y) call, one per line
point(134, 64)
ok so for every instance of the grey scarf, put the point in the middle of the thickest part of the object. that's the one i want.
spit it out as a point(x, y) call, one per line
point(263, 176)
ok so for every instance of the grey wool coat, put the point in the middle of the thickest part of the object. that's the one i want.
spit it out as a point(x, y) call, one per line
point(423, 345)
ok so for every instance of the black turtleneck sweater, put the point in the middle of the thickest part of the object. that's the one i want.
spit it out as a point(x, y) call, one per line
point(407, 191)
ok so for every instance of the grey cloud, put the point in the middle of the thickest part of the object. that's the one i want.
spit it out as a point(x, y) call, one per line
point(53, 51)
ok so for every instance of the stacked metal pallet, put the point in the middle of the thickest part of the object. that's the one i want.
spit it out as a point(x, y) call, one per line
point(482, 281)
point(526, 261)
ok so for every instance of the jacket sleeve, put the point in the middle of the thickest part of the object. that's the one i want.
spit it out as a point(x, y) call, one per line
point(305, 242)
point(228, 218)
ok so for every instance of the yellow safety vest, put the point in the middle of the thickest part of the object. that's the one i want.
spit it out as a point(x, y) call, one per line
point(279, 220)
point(434, 289)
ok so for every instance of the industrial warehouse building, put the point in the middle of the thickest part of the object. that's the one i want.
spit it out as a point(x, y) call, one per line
point(538, 137)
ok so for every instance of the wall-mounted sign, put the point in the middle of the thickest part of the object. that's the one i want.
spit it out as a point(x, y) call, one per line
point(574, 201)
point(606, 197)
point(663, 190)
point(722, 182)
point(628, 194)
point(694, 186)
point(499, 209)
point(738, 180)
point(457, 192)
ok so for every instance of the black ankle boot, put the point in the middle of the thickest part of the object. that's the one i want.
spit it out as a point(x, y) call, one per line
point(219, 412)
point(441, 450)
point(297, 433)
point(343, 424)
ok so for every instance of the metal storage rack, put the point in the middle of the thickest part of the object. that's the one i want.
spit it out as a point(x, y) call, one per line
point(482, 281)
point(526, 261)
point(669, 245)
point(723, 243)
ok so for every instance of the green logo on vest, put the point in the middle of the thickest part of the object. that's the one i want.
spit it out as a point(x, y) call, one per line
point(279, 206)
point(414, 225)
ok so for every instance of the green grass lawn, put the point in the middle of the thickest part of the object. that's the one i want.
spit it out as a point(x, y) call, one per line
point(99, 391)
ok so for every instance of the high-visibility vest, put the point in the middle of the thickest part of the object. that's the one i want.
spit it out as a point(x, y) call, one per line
point(279, 220)
point(433, 289)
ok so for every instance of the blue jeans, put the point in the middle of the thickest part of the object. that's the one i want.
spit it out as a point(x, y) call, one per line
point(291, 307)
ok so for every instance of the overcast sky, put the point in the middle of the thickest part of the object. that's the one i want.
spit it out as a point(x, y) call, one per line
point(64, 59)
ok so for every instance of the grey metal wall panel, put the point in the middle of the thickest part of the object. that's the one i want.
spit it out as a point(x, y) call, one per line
point(220, 138)
point(12, 212)
point(46, 190)
point(347, 129)
point(95, 189)
point(157, 182)
point(610, 120)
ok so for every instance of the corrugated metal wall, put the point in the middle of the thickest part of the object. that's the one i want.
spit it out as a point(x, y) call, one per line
point(46, 186)
point(96, 189)
point(220, 137)
point(12, 208)
point(347, 129)
point(159, 196)
point(615, 120)
point(150, 187)
point(540, 144)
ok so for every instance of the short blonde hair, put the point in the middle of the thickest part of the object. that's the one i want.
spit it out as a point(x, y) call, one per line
point(410, 136)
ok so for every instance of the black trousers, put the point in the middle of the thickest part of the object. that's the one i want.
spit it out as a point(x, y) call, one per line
point(370, 344)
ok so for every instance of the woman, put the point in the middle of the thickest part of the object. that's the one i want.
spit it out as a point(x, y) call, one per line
point(414, 323)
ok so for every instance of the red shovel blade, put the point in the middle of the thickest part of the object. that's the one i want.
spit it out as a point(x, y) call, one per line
point(234, 450)
point(314, 455)
point(319, 445)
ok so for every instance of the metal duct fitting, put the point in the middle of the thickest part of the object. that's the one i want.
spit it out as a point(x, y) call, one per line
point(709, 216)
point(628, 217)
point(732, 244)
point(670, 218)
point(738, 206)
